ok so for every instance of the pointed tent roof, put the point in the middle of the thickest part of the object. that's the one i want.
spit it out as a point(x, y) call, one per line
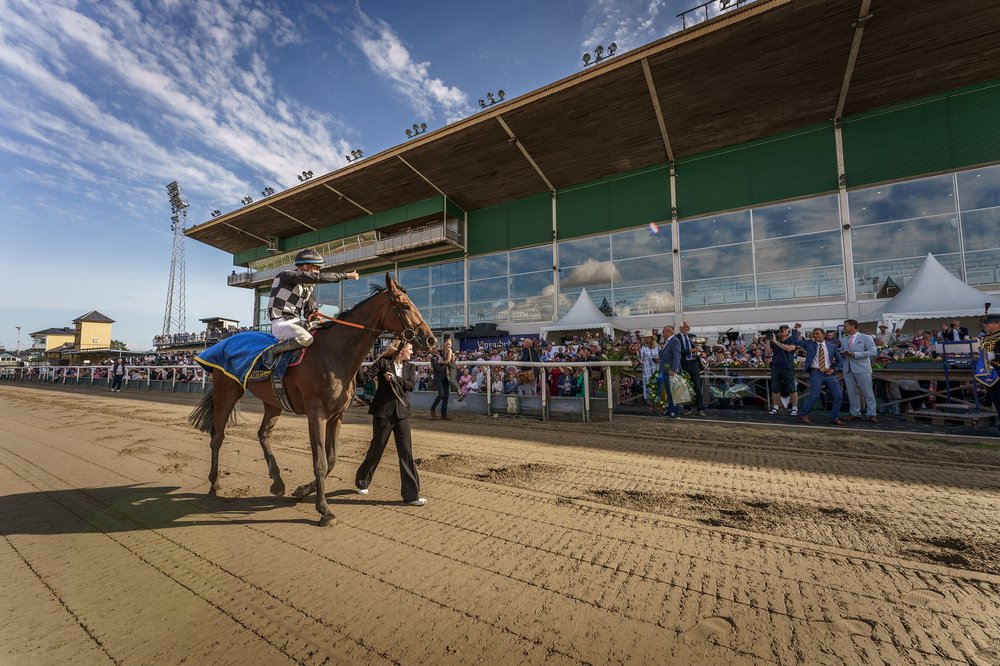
point(583, 316)
point(932, 293)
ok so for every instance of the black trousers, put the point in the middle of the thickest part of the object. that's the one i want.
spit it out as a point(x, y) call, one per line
point(408, 477)
point(444, 388)
point(693, 368)
point(994, 393)
point(116, 382)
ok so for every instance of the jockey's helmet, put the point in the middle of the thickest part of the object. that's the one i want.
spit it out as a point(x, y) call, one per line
point(309, 256)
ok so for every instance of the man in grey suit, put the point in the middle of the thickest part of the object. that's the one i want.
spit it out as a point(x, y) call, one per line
point(857, 350)
point(670, 365)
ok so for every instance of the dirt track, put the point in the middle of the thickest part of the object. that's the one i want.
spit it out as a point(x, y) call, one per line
point(651, 542)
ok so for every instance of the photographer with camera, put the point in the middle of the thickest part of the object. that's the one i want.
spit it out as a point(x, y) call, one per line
point(782, 369)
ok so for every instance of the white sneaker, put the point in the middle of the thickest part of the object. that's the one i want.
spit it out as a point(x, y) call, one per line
point(362, 491)
point(774, 411)
point(420, 501)
point(794, 412)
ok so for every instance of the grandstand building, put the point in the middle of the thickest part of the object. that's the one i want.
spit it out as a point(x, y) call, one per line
point(789, 160)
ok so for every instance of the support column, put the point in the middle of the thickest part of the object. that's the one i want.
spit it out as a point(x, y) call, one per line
point(555, 260)
point(845, 220)
point(675, 237)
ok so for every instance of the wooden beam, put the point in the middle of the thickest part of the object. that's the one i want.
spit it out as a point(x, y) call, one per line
point(347, 198)
point(524, 151)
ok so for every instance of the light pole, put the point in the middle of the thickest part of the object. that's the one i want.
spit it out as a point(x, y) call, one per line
point(18, 352)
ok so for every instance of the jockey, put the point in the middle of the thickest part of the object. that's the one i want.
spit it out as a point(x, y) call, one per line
point(292, 300)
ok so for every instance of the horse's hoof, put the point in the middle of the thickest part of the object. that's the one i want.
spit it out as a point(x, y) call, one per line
point(302, 492)
point(278, 488)
point(327, 519)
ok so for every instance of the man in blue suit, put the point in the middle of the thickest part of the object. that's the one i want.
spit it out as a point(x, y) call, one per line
point(670, 365)
point(822, 362)
point(858, 349)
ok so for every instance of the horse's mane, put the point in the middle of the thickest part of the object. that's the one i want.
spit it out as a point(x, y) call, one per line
point(374, 289)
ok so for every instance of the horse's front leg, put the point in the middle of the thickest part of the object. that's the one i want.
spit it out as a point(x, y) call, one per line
point(332, 432)
point(317, 437)
point(271, 415)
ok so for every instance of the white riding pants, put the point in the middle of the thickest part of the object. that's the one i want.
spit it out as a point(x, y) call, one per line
point(289, 329)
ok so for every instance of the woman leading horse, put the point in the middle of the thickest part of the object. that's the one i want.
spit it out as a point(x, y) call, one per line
point(321, 386)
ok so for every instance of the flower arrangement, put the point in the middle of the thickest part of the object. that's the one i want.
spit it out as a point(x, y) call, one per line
point(730, 364)
point(658, 399)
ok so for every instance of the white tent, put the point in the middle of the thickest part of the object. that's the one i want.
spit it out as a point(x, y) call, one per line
point(583, 316)
point(933, 293)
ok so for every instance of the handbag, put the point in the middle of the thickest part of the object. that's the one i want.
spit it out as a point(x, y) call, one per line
point(985, 374)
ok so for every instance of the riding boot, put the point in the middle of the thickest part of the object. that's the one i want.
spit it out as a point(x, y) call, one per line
point(271, 353)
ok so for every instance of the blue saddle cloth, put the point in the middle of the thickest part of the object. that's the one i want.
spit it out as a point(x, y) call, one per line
point(237, 355)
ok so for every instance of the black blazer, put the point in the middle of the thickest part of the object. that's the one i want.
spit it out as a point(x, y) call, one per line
point(390, 399)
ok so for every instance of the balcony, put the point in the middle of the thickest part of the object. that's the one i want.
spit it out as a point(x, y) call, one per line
point(426, 240)
point(443, 234)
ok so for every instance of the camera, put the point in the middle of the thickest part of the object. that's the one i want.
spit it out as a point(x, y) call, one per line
point(769, 333)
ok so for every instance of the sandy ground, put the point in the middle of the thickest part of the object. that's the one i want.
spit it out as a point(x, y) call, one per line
point(645, 542)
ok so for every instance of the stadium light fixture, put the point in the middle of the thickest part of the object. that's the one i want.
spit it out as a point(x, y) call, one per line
point(491, 100)
point(216, 213)
point(599, 54)
point(267, 191)
point(416, 130)
point(304, 176)
point(246, 201)
point(354, 156)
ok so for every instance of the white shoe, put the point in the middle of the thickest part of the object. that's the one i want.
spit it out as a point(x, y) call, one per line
point(774, 411)
point(362, 491)
point(420, 501)
point(794, 412)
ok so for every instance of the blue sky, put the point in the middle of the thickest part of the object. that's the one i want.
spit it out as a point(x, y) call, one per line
point(106, 102)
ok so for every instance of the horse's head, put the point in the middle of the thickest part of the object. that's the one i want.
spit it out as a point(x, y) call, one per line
point(404, 319)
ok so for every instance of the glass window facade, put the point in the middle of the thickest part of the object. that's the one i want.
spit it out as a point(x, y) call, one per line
point(438, 291)
point(785, 253)
point(956, 217)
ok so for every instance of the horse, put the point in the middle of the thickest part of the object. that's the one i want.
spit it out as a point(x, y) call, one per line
point(321, 386)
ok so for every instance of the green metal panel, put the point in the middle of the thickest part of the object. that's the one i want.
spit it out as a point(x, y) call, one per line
point(715, 181)
point(909, 141)
point(793, 165)
point(584, 210)
point(244, 257)
point(425, 207)
point(529, 221)
point(332, 233)
point(454, 210)
point(391, 216)
point(975, 126)
point(640, 198)
point(299, 242)
point(436, 259)
point(359, 225)
point(487, 231)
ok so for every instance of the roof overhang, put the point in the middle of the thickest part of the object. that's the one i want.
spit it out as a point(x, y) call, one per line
point(765, 68)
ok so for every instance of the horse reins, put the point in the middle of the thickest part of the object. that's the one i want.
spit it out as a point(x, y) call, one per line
point(408, 334)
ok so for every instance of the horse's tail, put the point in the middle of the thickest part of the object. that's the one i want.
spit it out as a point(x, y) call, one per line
point(201, 417)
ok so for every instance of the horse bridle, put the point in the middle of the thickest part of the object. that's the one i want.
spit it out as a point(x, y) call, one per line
point(409, 334)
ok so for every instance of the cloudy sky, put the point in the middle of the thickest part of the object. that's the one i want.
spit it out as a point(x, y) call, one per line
point(105, 102)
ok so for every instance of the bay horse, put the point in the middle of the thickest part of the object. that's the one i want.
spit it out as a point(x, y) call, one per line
point(321, 386)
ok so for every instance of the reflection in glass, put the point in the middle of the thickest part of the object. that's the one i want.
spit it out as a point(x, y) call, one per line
point(531, 259)
point(356, 291)
point(641, 242)
point(807, 251)
point(415, 277)
point(979, 188)
point(902, 201)
point(911, 238)
point(488, 290)
point(796, 217)
point(723, 229)
point(982, 267)
point(328, 294)
point(490, 266)
point(582, 250)
point(981, 229)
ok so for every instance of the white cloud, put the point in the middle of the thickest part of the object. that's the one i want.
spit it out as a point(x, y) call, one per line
point(390, 58)
point(630, 23)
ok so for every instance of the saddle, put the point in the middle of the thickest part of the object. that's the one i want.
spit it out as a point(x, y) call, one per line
point(276, 374)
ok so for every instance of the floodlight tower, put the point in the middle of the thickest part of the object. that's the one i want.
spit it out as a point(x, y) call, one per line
point(174, 319)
